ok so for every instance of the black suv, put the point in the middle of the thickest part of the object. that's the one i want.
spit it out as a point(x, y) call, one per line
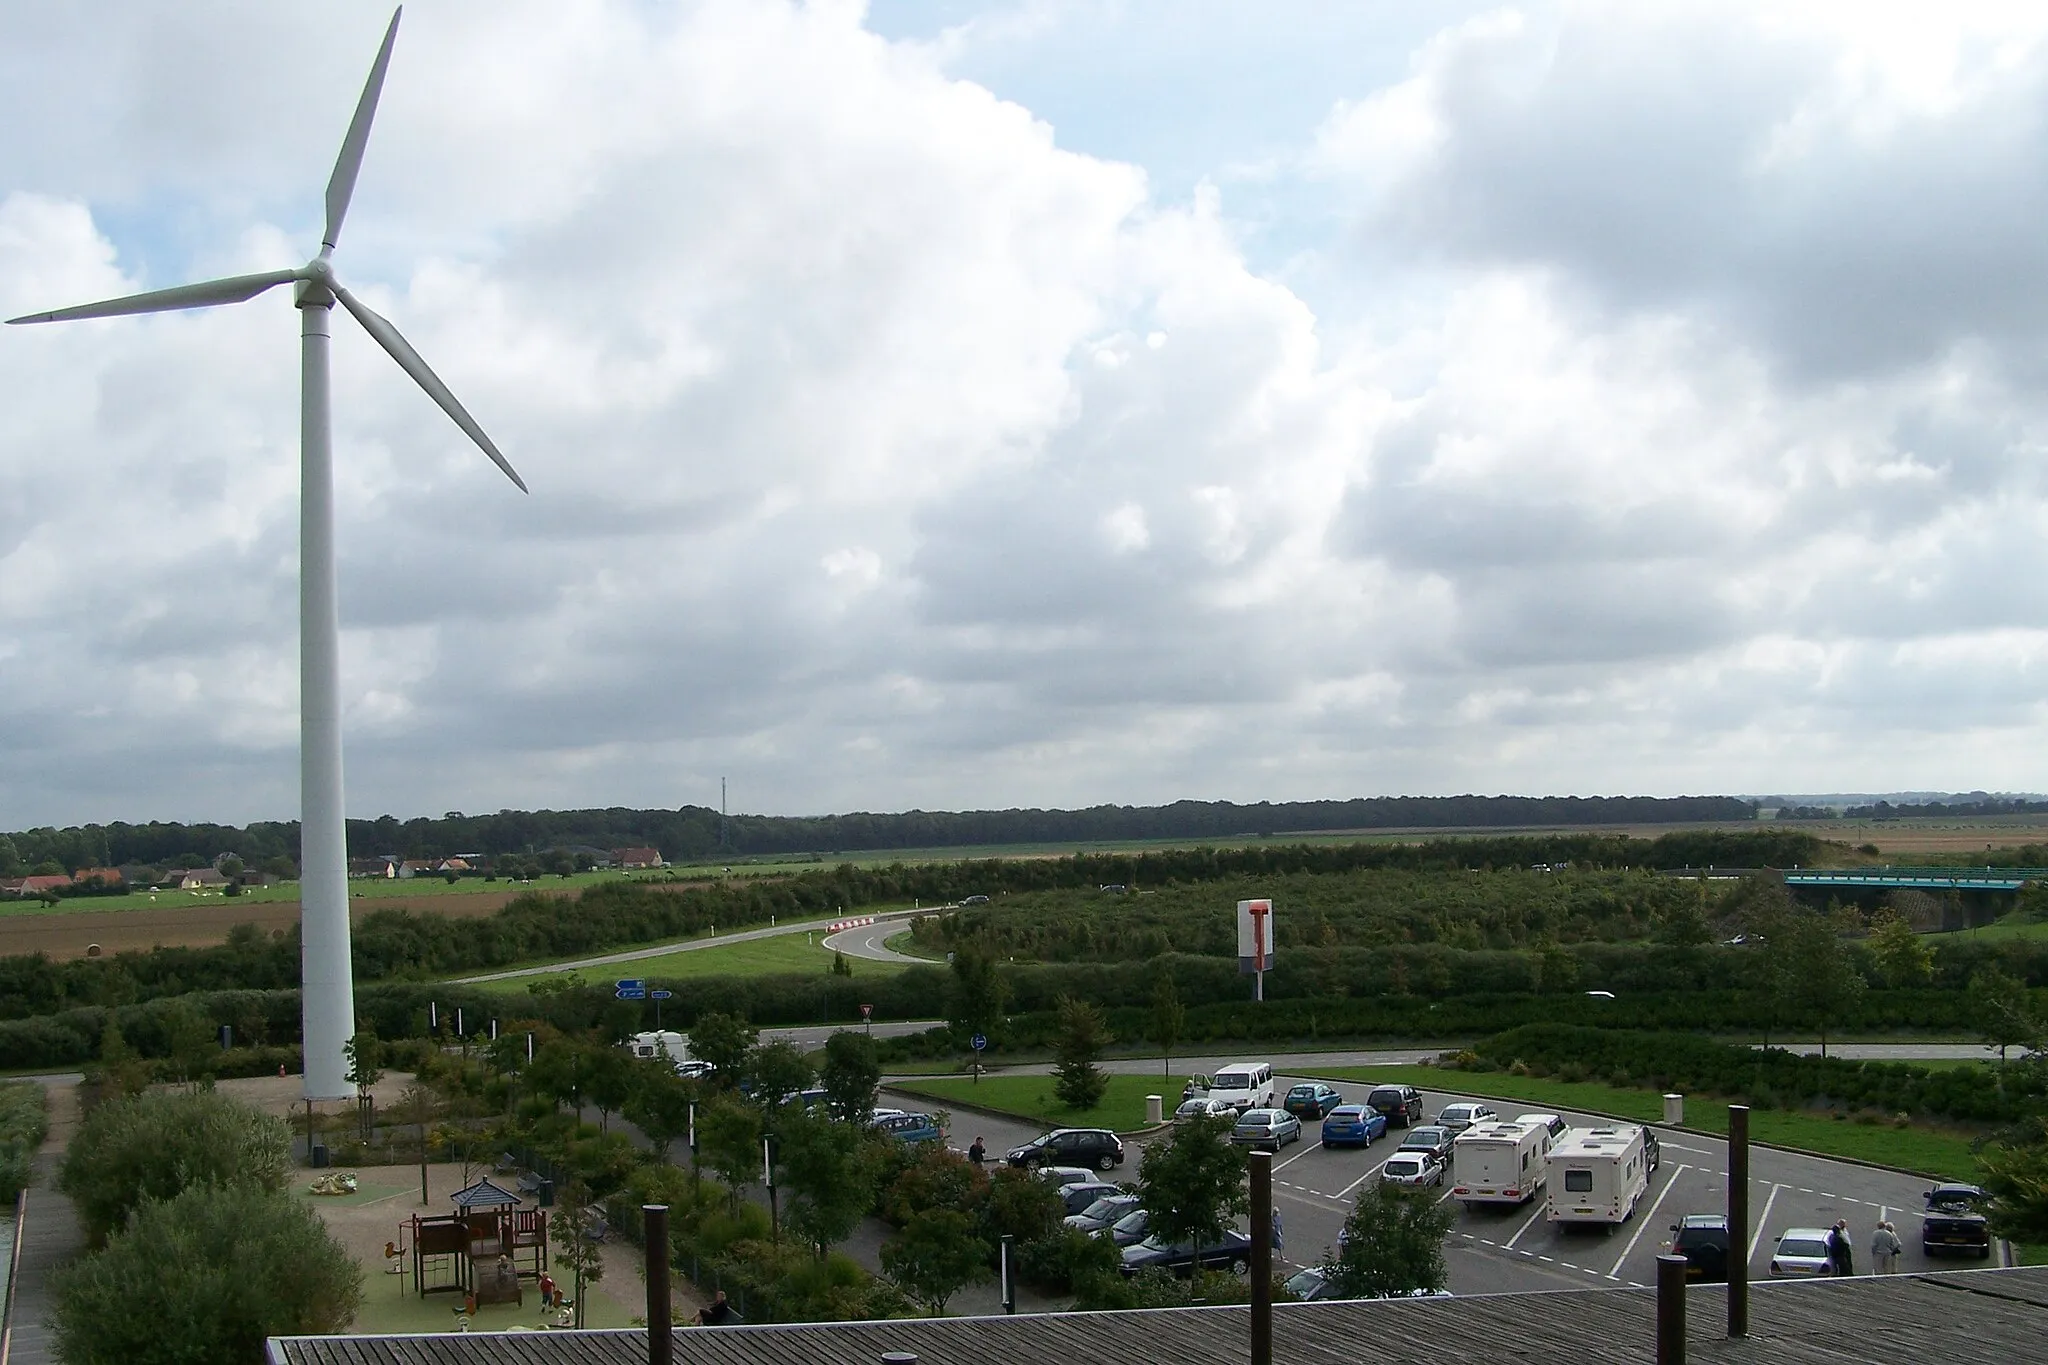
point(1702, 1238)
point(1095, 1147)
point(1402, 1104)
point(1955, 1221)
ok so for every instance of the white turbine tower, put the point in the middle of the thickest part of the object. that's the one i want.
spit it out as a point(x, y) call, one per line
point(329, 986)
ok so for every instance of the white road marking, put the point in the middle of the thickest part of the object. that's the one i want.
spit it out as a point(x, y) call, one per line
point(1305, 1150)
point(1763, 1220)
point(1370, 1171)
point(1648, 1219)
point(1681, 1147)
point(1527, 1223)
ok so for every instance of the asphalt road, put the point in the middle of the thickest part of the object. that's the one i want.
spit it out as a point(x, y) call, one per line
point(882, 923)
point(1516, 1250)
point(871, 940)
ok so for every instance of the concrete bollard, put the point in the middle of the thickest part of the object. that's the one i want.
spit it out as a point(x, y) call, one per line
point(1674, 1109)
point(1155, 1109)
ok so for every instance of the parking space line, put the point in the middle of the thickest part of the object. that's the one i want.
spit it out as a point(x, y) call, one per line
point(1763, 1220)
point(1305, 1150)
point(1681, 1147)
point(1527, 1223)
point(1370, 1171)
point(1648, 1219)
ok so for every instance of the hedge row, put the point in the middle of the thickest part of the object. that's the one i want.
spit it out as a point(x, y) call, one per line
point(1768, 1077)
point(24, 1120)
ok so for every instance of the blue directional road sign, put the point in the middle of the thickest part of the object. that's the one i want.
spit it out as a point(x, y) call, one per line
point(978, 1041)
point(632, 988)
point(660, 995)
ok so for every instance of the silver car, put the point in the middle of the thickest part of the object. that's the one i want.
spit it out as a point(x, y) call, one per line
point(1801, 1251)
point(1412, 1168)
point(1268, 1128)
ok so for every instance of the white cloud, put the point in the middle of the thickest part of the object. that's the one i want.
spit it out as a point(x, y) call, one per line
point(1674, 426)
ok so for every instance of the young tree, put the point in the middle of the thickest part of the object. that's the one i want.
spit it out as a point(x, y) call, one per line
point(723, 1041)
point(659, 1104)
point(556, 1073)
point(2004, 1012)
point(207, 1275)
point(607, 1080)
point(1082, 1036)
point(1169, 1017)
point(934, 1257)
point(156, 1145)
point(851, 1075)
point(1193, 1183)
point(830, 1173)
point(365, 1056)
point(777, 1071)
point(575, 1250)
point(195, 1046)
point(1825, 977)
point(2015, 1174)
point(729, 1141)
point(1393, 1243)
point(976, 999)
point(1902, 958)
point(122, 1071)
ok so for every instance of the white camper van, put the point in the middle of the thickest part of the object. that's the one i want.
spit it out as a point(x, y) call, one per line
point(1499, 1163)
point(1244, 1085)
point(1597, 1175)
point(666, 1043)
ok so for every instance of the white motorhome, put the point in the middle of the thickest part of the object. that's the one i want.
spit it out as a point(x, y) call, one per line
point(1244, 1085)
point(1597, 1175)
point(1499, 1163)
point(667, 1043)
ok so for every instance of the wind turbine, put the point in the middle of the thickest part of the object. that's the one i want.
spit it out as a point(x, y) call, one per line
point(329, 985)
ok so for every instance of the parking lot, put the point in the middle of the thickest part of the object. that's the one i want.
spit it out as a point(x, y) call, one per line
point(1496, 1250)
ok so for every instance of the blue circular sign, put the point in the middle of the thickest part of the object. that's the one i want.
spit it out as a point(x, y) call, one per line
point(978, 1041)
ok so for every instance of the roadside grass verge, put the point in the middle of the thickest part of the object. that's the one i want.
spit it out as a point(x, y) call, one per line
point(1031, 1097)
point(781, 955)
point(1920, 1147)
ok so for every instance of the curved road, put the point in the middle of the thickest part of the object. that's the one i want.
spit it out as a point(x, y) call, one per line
point(870, 941)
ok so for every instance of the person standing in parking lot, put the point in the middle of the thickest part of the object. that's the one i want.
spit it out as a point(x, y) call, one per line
point(1276, 1232)
point(1885, 1247)
point(977, 1151)
point(1840, 1261)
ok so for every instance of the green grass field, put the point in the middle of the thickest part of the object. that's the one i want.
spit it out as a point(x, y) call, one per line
point(780, 955)
point(365, 888)
point(1031, 1097)
point(2008, 928)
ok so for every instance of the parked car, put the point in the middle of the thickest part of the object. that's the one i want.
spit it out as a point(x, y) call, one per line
point(1130, 1229)
point(1059, 1177)
point(1203, 1106)
point(1459, 1117)
point(1270, 1129)
point(1310, 1284)
point(1103, 1213)
point(1801, 1251)
point(695, 1071)
point(1353, 1125)
point(910, 1128)
point(1402, 1104)
point(1955, 1221)
point(1412, 1168)
point(1702, 1238)
point(1095, 1147)
point(1311, 1100)
point(1233, 1253)
point(1083, 1194)
point(1554, 1122)
point(1432, 1139)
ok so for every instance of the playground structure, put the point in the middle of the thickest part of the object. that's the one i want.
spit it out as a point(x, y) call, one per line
point(483, 1250)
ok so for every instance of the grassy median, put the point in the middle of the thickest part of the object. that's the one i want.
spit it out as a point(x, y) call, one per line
point(1031, 1098)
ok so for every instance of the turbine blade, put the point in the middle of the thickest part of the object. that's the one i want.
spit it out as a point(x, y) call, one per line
point(341, 186)
point(232, 290)
point(409, 360)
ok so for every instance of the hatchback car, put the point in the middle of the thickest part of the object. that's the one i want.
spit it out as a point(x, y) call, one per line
point(1203, 1107)
point(1459, 1117)
point(1353, 1125)
point(1801, 1251)
point(1402, 1104)
point(1433, 1139)
point(1103, 1213)
point(1270, 1129)
point(1702, 1238)
point(1412, 1168)
point(909, 1128)
point(1310, 1284)
point(1093, 1147)
point(1059, 1177)
point(1130, 1229)
point(1083, 1194)
point(1311, 1100)
point(1233, 1253)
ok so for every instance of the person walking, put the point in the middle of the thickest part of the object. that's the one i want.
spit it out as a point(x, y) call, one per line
point(1885, 1247)
point(977, 1151)
point(1276, 1232)
point(1840, 1261)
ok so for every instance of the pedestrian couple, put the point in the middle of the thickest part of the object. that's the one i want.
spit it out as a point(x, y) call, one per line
point(1885, 1247)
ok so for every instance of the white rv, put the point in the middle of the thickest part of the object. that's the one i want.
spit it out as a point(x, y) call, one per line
point(1244, 1085)
point(666, 1043)
point(1597, 1175)
point(1499, 1163)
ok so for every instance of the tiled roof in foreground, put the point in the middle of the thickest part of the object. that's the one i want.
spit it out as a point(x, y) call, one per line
point(1997, 1317)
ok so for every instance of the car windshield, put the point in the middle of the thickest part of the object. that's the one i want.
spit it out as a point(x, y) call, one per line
point(1305, 1282)
point(1233, 1080)
point(1420, 1137)
point(1803, 1246)
point(1102, 1208)
point(1132, 1222)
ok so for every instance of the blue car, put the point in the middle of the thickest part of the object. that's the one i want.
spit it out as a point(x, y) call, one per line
point(1353, 1125)
point(910, 1127)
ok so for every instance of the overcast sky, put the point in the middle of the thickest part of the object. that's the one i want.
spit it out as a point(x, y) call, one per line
point(977, 405)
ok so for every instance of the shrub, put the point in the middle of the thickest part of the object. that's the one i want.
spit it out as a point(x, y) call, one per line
point(157, 1145)
point(24, 1120)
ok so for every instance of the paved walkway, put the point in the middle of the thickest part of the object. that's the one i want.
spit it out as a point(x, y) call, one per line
point(50, 1236)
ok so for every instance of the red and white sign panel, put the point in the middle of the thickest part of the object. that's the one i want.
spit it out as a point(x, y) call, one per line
point(1255, 936)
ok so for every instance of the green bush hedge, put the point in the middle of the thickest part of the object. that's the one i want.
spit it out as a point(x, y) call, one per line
point(24, 1121)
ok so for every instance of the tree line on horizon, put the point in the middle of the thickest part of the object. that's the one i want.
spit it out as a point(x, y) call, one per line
point(693, 833)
